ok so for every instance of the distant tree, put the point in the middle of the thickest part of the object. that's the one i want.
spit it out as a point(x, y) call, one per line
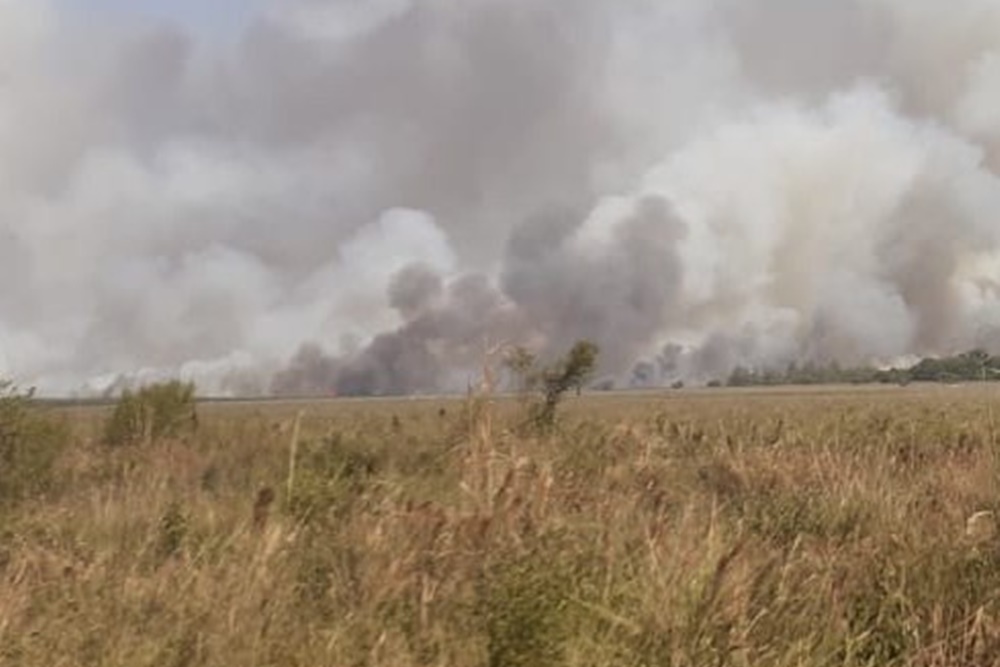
point(968, 366)
point(571, 372)
point(974, 365)
point(741, 377)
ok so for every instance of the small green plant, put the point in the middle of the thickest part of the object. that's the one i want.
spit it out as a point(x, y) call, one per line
point(156, 411)
point(29, 447)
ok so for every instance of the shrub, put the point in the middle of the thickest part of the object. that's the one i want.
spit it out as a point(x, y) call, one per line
point(29, 447)
point(524, 608)
point(331, 474)
point(161, 410)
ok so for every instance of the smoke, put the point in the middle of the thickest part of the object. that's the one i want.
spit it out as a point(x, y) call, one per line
point(361, 197)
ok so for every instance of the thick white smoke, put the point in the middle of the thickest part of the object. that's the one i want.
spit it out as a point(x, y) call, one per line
point(353, 197)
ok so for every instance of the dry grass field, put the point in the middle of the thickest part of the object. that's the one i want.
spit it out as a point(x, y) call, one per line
point(754, 528)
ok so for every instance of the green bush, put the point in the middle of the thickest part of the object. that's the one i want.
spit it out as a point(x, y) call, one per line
point(524, 607)
point(29, 447)
point(156, 411)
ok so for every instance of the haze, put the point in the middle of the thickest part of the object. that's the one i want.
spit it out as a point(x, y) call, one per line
point(333, 196)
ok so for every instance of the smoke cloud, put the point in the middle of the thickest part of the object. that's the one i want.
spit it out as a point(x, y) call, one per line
point(359, 198)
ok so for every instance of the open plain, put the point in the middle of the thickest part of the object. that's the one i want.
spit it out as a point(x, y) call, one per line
point(827, 526)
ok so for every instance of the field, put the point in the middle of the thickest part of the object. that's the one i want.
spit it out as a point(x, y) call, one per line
point(794, 527)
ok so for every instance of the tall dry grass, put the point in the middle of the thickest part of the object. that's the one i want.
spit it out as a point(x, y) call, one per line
point(823, 528)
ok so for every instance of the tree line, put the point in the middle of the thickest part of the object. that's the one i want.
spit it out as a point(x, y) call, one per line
point(973, 366)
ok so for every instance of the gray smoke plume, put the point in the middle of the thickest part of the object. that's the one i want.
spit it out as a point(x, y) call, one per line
point(359, 198)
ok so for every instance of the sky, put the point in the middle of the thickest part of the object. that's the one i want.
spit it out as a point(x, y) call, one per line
point(360, 196)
